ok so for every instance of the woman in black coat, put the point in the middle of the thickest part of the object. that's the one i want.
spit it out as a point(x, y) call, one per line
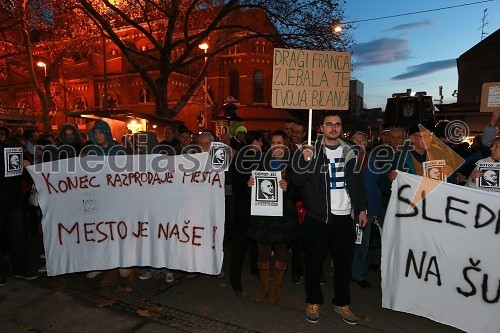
point(275, 231)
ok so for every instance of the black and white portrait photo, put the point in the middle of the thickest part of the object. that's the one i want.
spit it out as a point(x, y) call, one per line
point(489, 178)
point(266, 189)
point(219, 156)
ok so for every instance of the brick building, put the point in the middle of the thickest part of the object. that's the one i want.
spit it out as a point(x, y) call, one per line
point(242, 74)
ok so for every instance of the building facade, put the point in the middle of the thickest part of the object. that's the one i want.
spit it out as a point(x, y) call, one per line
point(479, 65)
point(104, 84)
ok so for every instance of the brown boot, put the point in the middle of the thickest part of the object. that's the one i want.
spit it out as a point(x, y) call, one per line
point(279, 273)
point(264, 281)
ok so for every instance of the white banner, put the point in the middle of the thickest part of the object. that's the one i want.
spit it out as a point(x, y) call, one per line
point(440, 257)
point(131, 211)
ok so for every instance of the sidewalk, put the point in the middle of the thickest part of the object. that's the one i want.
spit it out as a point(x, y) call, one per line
point(72, 303)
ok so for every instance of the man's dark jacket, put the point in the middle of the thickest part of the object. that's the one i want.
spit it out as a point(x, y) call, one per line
point(314, 178)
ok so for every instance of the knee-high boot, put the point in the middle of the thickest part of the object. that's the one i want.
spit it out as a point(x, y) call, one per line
point(264, 281)
point(279, 273)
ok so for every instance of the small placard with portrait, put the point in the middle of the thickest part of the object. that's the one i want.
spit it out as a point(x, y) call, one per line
point(267, 195)
point(13, 158)
point(489, 180)
point(220, 156)
point(435, 170)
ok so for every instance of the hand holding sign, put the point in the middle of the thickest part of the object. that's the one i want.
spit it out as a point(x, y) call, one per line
point(251, 181)
point(475, 174)
point(307, 152)
point(283, 185)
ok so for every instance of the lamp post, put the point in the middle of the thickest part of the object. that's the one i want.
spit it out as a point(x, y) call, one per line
point(44, 65)
point(204, 47)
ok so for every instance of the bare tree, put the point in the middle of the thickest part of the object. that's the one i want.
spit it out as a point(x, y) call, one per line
point(175, 28)
point(39, 26)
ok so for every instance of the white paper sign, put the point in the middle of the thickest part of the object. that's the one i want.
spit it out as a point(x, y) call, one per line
point(434, 170)
point(153, 212)
point(13, 158)
point(489, 180)
point(440, 257)
point(493, 96)
point(220, 156)
point(267, 195)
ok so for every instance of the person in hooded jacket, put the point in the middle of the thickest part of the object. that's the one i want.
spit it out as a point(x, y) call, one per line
point(103, 145)
point(103, 142)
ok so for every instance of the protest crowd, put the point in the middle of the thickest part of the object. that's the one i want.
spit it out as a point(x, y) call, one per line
point(334, 190)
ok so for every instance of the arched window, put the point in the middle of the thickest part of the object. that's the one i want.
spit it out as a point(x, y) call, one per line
point(80, 103)
point(234, 84)
point(258, 87)
point(112, 101)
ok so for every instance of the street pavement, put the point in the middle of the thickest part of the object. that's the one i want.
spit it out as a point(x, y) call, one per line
point(206, 304)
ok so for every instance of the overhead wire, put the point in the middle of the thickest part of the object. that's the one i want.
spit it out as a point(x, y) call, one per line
point(418, 12)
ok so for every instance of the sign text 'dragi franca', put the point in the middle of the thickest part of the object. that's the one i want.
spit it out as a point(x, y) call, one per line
point(311, 79)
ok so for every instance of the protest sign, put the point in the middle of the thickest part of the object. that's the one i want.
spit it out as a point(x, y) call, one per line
point(489, 181)
point(305, 79)
point(434, 170)
point(121, 211)
point(267, 195)
point(220, 156)
point(13, 158)
point(490, 96)
point(440, 256)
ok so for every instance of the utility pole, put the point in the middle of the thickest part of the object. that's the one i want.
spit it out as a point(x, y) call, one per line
point(485, 23)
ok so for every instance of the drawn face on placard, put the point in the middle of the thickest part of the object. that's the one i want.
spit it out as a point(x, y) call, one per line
point(490, 178)
point(434, 173)
point(266, 189)
point(14, 162)
point(219, 156)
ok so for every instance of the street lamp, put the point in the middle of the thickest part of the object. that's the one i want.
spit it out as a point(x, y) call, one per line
point(204, 47)
point(44, 65)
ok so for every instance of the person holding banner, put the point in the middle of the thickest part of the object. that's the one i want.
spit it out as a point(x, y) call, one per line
point(410, 161)
point(241, 169)
point(275, 231)
point(143, 142)
point(12, 227)
point(331, 190)
point(103, 145)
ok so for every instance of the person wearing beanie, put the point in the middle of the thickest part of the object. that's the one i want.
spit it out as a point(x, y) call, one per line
point(238, 141)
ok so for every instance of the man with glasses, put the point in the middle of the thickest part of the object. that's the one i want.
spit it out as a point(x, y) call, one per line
point(332, 189)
